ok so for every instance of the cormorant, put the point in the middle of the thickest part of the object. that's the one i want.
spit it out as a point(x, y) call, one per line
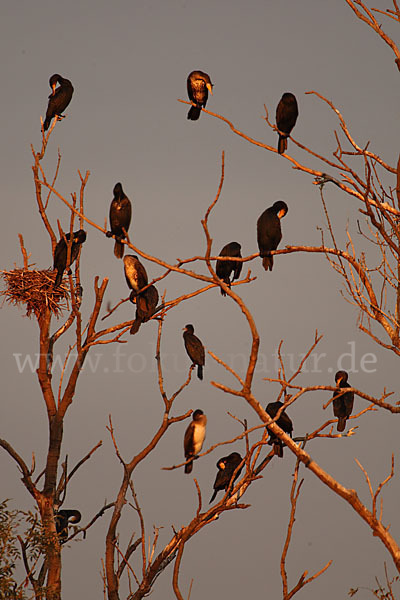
point(198, 85)
point(224, 268)
point(284, 422)
point(62, 519)
point(120, 218)
point(342, 406)
point(194, 438)
point(226, 468)
point(195, 349)
point(61, 252)
point(146, 304)
point(286, 117)
point(269, 232)
point(135, 274)
point(58, 99)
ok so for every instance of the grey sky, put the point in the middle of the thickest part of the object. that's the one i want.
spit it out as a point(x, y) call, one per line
point(128, 62)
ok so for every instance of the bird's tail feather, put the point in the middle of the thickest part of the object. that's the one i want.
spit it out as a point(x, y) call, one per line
point(278, 449)
point(282, 144)
point(268, 262)
point(46, 124)
point(135, 326)
point(59, 278)
point(213, 496)
point(118, 249)
point(341, 426)
point(228, 283)
point(194, 113)
point(189, 467)
point(200, 371)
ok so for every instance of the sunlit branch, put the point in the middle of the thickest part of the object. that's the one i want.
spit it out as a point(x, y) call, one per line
point(294, 496)
point(374, 496)
point(370, 20)
point(83, 530)
point(319, 175)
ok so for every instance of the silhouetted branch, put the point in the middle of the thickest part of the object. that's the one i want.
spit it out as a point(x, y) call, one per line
point(99, 514)
point(26, 474)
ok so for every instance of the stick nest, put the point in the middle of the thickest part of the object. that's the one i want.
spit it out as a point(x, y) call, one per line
point(36, 290)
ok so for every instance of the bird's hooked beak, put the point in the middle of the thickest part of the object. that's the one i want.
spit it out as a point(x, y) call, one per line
point(209, 86)
point(53, 87)
point(75, 519)
point(281, 213)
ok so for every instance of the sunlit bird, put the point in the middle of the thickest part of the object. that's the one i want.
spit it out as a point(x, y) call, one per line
point(226, 468)
point(58, 99)
point(225, 268)
point(343, 405)
point(135, 274)
point(284, 422)
point(269, 232)
point(146, 304)
point(64, 518)
point(195, 349)
point(198, 86)
point(194, 437)
point(286, 116)
point(61, 253)
point(120, 218)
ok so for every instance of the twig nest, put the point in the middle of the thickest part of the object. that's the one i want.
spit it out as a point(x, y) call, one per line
point(36, 290)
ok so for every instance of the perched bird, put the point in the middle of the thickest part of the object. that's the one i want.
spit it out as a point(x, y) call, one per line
point(120, 218)
point(269, 232)
point(225, 268)
point(198, 86)
point(135, 274)
point(195, 349)
point(146, 304)
point(58, 99)
point(61, 253)
point(194, 438)
point(284, 422)
point(62, 519)
point(286, 117)
point(342, 406)
point(226, 468)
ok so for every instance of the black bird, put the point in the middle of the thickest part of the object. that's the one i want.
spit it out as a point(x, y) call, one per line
point(62, 519)
point(146, 304)
point(58, 99)
point(226, 468)
point(225, 268)
point(269, 232)
point(195, 349)
point(198, 85)
point(342, 406)
point(284, 422)
point(194, 438)
point(135, 275)
point(120, 218)
point(286, 116)
point(61, 252)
